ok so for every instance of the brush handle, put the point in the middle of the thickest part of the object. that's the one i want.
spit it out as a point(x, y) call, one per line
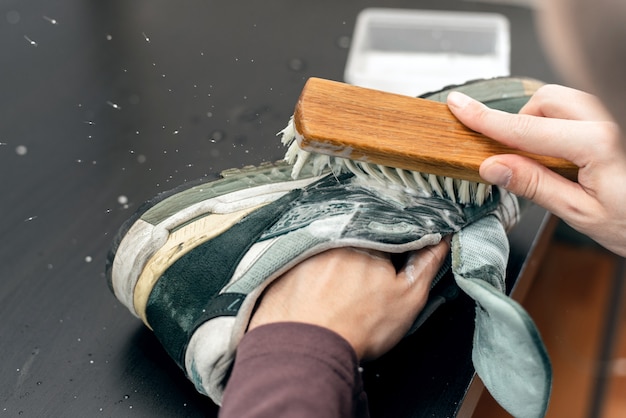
point(397, 131)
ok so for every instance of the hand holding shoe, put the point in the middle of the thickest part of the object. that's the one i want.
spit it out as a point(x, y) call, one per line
point(356, 293)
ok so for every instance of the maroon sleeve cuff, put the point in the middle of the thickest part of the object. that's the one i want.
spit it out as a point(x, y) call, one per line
point(294, 369)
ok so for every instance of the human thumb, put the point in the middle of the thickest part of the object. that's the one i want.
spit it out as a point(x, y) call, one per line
point(493, 171)
point(526, 178)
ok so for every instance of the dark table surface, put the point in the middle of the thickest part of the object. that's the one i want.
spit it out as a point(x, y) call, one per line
point(103, 104)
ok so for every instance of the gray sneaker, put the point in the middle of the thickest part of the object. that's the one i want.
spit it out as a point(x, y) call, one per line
point(192, 263)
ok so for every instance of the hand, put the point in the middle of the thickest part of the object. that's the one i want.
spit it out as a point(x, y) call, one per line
point(356, 293)
point(559, 122)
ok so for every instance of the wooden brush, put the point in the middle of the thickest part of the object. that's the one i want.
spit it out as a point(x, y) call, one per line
point(397, 131)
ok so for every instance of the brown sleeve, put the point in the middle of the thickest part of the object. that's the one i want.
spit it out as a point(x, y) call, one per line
point(294, 370)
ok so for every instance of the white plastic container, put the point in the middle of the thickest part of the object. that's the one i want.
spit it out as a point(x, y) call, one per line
point(416, 51)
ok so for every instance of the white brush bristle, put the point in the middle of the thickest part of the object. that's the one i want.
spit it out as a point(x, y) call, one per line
point(462, 191)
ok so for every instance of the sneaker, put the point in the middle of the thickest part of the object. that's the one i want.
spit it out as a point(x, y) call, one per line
point(192, 262)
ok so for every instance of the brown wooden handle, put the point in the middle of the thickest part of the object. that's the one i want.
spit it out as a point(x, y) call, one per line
point(398, 131)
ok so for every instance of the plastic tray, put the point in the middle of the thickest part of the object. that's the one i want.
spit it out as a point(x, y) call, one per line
point(416, 51)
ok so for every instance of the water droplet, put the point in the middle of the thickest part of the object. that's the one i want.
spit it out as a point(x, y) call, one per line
point(109, 37)
point(114, 105)
point(51, 20)
point(122, 200)
point(21, 150)
point(209, 114)
point(30, 41)
point(50, 267)
point(88, 259)
point(141, 158)
point(343, 42)
point(217, 136)
point(296, 64)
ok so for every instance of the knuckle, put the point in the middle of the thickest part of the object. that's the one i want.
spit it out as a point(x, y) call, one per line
point(546, 95)
point(609, 134)
point(526, 184)
point(485, 120)
point(548, 91)
point(607, 141)
point(545, 99)
point(519, 126)
point(541, 94)
point(483, 114)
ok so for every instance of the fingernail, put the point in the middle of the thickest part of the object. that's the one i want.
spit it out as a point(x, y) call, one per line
point(458, 99)
point(497, 173)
